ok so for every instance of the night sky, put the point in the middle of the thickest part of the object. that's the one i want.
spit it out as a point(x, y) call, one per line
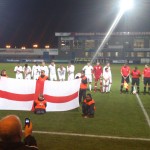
point(24, 22)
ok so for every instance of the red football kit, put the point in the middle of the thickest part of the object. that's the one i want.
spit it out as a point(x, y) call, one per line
point(125, 70)
point(146, 72)
point(97, 71)
point(135, 74)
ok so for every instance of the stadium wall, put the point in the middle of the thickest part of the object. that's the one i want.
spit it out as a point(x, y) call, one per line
point(121, 46)
point(27, 55)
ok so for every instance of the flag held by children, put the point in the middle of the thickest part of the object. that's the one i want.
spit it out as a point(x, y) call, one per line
point(18, 94)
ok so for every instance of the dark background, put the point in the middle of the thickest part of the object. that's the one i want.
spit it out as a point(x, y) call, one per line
point(24, 22)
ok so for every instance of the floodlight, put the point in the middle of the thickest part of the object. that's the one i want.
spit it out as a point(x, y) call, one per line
point(126, 5)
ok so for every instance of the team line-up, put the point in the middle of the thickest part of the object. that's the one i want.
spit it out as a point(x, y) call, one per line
point(101, 75)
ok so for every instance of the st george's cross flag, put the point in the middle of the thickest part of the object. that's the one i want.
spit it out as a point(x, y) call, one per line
point(19, 94)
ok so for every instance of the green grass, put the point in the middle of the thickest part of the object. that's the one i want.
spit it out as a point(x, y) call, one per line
point(116, 115)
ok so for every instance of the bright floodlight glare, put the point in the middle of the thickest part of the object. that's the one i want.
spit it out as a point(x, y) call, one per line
point(126, 4)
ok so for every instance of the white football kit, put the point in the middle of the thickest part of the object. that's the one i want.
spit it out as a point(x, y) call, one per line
point(109, 70)
point(107, 79)
point(18, 70)
point(27, 72)
point(36, 70)
point(88, 72)
point(70, 71)
point(52, 70)
point(61, 73)
point(45, 68)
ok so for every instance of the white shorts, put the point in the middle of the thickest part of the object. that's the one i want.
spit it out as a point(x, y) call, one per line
point(89, 78)
point(61, 78)
point(53, 77)
point(28, 77)
point(19, 76)
point(35, 77)
point(70, 77)
point(106, 83)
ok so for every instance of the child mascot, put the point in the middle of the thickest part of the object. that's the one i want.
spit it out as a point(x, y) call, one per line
point(88, 107)
point(40, 105)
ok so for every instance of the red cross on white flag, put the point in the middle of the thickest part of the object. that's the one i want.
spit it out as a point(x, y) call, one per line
point(18, 94)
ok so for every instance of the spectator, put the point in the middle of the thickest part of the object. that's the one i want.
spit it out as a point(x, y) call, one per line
point(40, 105)
point(11, 135)
point(88, 107)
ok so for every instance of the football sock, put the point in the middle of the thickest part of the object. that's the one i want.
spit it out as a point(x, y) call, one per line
point(90, 87)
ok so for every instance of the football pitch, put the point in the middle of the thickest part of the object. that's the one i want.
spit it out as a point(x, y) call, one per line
point(121, 121)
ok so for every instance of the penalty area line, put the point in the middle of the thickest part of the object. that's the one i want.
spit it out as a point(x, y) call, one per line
point(93, 136)
point(143, 109)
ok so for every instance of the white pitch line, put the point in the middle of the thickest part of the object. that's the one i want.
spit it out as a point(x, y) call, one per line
point(143, 109)
point(94, 136)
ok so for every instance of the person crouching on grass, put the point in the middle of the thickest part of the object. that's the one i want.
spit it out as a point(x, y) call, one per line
point(40, 105)
point(88, 107)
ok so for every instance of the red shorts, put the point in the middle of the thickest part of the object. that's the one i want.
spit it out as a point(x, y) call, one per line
point(97, 78)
